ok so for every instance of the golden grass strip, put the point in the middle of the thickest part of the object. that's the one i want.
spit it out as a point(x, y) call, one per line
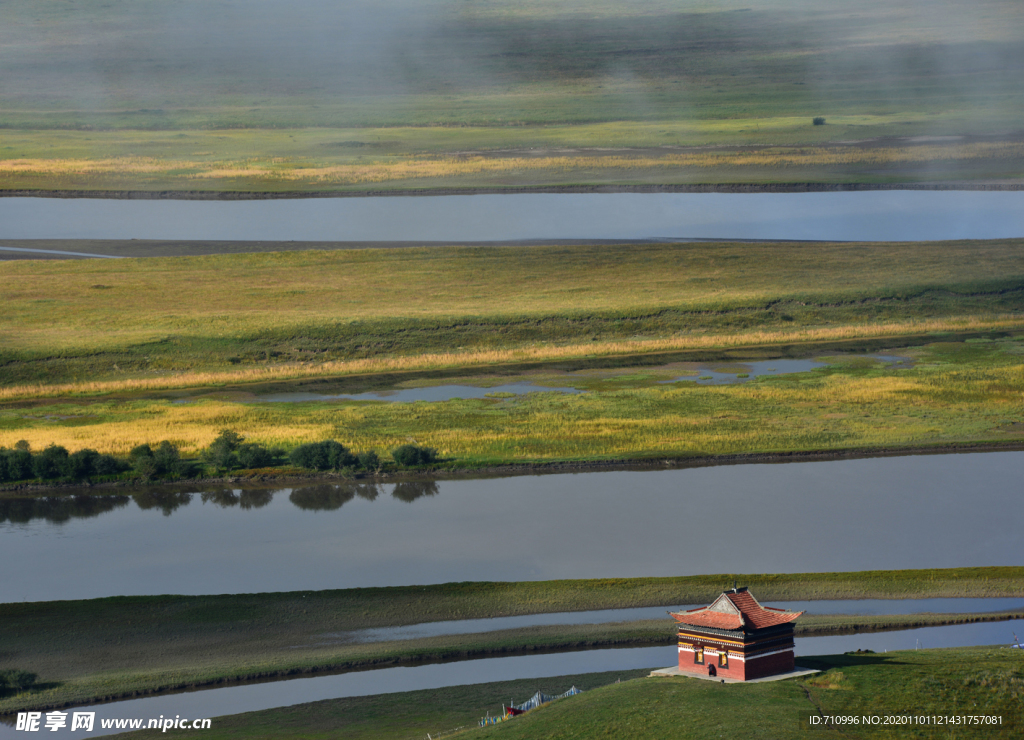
point(414, 167)
point(470, 359)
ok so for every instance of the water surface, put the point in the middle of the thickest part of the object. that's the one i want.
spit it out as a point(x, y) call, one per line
point(601, 616)
point(425, 393)
point(932, 511)
point(894, 215)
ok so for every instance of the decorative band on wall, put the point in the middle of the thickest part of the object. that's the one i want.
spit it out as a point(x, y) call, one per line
point(711, 652)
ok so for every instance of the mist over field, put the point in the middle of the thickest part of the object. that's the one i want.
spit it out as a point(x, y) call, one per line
point(131, 55)
point(316, 95)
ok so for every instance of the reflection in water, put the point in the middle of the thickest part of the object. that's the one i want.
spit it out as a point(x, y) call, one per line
point(327, 497)
point(167, 502)
point(322, 497)
point(409, 491)
point(57, 509)
point(246, 499)
point(932, 511)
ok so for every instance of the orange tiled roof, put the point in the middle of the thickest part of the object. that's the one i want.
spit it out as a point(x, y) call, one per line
point(734, 610)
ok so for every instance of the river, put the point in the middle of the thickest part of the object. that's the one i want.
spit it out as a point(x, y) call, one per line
point(898, 215)
point(933, 511)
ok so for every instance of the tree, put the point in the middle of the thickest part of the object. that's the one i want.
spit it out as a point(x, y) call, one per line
point(311, 456)
point(412, 455)
point(221, 452)
point(18, 463)
point(254, 456)
point(51, 462)
point(166, 457)
point(338, 456)
point(13, 681)
point(82, 464)
point(368, 460)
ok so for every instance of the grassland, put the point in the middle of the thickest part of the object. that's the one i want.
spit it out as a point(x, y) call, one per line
point(98, 354)
point(402, 715)
point(495, 94)
point(952, 394)
point(116, 646)
point(970, 681)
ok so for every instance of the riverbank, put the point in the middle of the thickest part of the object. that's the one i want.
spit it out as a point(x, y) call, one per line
point(270, 479)
point(103, 649)
point(926, 683)
point(723, 187)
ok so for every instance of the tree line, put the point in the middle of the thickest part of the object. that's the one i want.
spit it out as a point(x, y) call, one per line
point(228, 452)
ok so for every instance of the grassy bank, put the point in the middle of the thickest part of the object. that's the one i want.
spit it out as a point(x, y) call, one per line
point(116, 646)
point(441, 94)
point(971, 681)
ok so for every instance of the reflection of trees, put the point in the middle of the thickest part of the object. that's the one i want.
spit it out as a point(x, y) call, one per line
point(322, 498)
point(166, 502)
point(369, 491)
point(328, 497)
point(222, 497)
point(413, 489)
point(247, 499)
point(255, 499)
point(57, 509)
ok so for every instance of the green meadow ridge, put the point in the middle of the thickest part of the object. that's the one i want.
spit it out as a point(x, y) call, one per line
point(176, 642)
point(136, 351)
point(982, 682)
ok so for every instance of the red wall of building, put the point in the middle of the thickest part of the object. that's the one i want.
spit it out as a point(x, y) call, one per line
point(734, 669)
point(770, 665)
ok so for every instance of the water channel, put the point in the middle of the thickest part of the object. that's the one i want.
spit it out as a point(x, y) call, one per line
point(900, 215)
point(933, 511)
point(601, 616)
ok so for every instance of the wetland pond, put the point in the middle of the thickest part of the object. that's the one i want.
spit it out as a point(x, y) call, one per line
point(892, 215)
point(930, 511)
point(550, 381)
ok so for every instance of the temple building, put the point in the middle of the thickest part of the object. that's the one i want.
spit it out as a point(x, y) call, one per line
point(736, 637)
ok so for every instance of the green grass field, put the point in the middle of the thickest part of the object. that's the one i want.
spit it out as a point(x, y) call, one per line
point(961, 681)
point(167, 642)
point(189, 96)
point(125, 319)
point(99, 354)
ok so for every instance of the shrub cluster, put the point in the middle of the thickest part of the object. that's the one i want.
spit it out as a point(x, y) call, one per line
point(55, 463)
point(331, 455)
point(163, 461)
point(229, 451)
point(413, 455)
point(12, 681)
